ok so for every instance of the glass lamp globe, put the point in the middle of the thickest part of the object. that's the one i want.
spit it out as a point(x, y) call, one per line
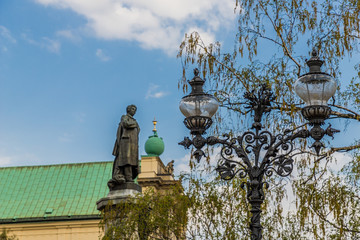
point(198, 107)
point(198, 103)
point(315, 88)
point(202, 105)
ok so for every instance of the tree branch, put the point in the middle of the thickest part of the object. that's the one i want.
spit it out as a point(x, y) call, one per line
point(232, 70)
point(346, 115)
point(355, 114)
point(286, 50)
point(337, 149)
point(331, 223)
point(264, 37)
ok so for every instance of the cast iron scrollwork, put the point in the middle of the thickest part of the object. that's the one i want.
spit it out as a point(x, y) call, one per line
point(257, 153)
point(275, 153)
point(284, 166)
point(228, 168)
point(249, 148)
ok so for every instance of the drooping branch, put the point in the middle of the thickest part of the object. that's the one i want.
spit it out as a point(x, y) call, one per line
point(264, 37)
point(278, 33)
point(295, 108)
point(199, 43)
point(344, 149)
point(337, 149)
point(351, 114)
point(343, 228)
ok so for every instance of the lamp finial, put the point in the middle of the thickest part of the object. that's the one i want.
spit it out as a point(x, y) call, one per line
point(196, 72)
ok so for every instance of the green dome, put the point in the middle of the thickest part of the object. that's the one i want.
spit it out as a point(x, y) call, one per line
point(154, 145)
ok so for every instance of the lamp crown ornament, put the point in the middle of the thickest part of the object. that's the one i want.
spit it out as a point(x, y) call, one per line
point(314, 62)
point(259, 102)
point(196, 72)
point(196, 83)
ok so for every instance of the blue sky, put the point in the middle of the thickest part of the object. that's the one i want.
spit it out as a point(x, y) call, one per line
point(69, 68)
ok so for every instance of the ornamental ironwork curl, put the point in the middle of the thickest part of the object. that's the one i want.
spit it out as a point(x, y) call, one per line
point(275, 152)
point(283, 166)
point(229, 168)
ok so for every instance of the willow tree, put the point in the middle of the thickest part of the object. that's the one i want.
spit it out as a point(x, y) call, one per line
point(150, 215)
point(201, 209)
point(5, 235)
point(324, 190)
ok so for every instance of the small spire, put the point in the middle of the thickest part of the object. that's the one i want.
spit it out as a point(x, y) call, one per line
point(314, 62)
point(314, 53)
point(154, 122)
point(196, 72)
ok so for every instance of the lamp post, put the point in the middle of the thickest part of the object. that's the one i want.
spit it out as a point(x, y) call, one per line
point(260, 152)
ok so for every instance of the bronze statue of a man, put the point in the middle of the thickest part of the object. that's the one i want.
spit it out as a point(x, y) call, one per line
point(126, 163)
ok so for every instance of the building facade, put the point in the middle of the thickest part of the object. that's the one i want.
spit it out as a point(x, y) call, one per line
point(58, 202)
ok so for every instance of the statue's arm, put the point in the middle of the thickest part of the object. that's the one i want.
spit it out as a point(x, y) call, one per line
point(128, 122)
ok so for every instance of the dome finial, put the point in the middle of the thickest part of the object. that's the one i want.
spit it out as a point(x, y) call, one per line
point(154, 122)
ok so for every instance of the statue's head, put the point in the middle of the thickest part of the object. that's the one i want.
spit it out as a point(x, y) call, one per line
point(131, 109)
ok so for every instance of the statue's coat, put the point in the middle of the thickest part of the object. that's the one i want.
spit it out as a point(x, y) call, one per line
point(126, 144)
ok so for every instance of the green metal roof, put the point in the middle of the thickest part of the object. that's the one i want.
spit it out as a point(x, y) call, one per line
point(52, 192)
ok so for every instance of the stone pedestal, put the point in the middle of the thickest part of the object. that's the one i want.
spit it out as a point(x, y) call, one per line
point(119, 194)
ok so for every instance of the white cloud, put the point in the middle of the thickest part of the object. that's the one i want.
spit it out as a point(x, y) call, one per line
point(69, 34)
point(18, 159)
point(80, 117)
point(66, 137)
point(182, 165)
point(5, 161)
point(5, 34)
point(154, 92)
point(101, 55)
point(49, 44)
point(342, 158)
point(5, 39)
point(156, 24)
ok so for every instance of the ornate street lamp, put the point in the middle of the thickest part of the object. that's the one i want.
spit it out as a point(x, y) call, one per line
point(260, 152)
point(315, 89)
point(198, 107)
